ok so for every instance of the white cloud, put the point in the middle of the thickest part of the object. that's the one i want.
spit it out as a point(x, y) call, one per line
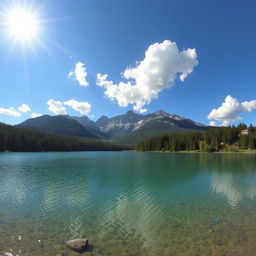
point(79, 74)
point(229, 110)
point(24, 108)
point(249, 106)
point(102, 80)
point(212, 123)
point(9, 112)
point(82, 107)
point(56, 107)
point(34, 115)
point(162, 62)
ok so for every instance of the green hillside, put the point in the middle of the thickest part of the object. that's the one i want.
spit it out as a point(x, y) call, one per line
point(17, 139)
point(59, 125)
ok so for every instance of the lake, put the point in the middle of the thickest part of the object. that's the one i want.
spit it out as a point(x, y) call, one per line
point(128, 203)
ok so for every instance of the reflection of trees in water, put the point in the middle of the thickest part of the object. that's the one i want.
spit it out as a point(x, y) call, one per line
point(233, 175)
point(241, 163)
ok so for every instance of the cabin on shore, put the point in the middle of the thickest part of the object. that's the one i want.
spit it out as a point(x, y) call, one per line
point(245, 132)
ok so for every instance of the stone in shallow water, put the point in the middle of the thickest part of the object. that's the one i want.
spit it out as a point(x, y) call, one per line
point(217, 220)
point(7, 254)
point(79, 244)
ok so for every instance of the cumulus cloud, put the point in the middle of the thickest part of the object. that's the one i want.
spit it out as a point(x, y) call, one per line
point(79, 74)
point(24, 108)
point(82, 107)
point(230, 110)
point(34, 115)
point(212, 123)
point(162, 62)
point(9, 112)
point(56, 107)
point(102, 80)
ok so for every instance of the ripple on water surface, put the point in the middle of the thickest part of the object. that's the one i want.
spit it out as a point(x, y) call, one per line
point(128, 203)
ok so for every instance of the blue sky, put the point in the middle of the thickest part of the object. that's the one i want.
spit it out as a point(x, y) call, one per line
point(111, 37)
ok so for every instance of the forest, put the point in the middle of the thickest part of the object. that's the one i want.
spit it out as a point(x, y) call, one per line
point(14, 139)
point(231, 138)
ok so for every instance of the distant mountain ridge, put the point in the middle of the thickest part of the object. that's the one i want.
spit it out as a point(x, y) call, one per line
point(89, 125)
point(59, 125)
point(128, 128)
point(119, 125)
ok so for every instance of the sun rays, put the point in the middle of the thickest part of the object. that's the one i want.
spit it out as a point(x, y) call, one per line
point(21, 24)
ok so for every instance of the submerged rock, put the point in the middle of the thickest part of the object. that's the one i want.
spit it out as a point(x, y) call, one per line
point(77, 244)
point(7, 254)
point(217, 220)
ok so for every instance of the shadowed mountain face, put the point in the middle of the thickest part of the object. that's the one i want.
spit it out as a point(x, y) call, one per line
point(90, 125)
point(129, 128)
point(58, 124)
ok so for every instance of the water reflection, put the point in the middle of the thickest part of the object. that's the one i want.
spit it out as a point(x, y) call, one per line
point(139, 203)
point(234, 187)
point(74, 227)
point(233, 176)
point(50, 198)
point(19, 194)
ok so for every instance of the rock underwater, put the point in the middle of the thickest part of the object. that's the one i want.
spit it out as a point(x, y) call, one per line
point(6, 254)
point(78, 245)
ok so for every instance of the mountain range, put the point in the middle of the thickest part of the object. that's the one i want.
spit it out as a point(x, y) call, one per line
point(129, 128)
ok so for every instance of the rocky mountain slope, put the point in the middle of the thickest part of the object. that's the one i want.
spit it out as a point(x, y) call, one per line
point(128, 128)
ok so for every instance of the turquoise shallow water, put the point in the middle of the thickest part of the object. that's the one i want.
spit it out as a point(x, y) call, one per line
point(128, 203)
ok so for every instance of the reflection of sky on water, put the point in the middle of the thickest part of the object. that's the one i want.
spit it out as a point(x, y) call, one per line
point(234, 187)
point(50, 198)
point(127, 195)
point(14, 190)
point(19, 195)
point(74, 227)
point(128, 215)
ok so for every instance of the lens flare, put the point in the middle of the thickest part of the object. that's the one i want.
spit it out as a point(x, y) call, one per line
point(22, 24)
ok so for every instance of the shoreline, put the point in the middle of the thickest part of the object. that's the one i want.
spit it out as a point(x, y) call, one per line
point(202, 152)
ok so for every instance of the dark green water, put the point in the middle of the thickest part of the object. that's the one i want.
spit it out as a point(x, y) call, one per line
point(128, 203)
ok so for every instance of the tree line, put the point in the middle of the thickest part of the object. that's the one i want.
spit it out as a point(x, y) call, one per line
point(16, 139)
point(215, 139)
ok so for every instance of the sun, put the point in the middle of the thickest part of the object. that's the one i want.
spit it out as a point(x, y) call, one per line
point(24, 26)
point(21, 24)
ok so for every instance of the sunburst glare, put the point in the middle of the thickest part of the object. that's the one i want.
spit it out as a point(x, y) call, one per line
point(22, 24)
